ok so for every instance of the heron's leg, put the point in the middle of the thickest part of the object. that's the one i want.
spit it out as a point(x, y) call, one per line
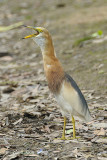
point(74, 133)
point(63, 134)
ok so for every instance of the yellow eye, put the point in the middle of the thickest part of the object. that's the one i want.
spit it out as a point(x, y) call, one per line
point(39, 30)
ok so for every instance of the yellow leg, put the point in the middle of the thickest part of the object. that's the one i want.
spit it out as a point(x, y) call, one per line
point(74, 133)
point(63, 134)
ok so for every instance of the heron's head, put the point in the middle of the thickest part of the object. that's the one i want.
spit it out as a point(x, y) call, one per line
point(41, 36)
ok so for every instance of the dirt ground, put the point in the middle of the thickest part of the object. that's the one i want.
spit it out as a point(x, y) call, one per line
point(30, 119)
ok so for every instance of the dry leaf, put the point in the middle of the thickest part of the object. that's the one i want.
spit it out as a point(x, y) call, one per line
point(6, 58)
point(46, 128)
point(13, 155)
point(100, 132)
point(3, 151)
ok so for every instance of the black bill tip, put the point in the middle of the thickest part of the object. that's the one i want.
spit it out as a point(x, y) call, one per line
point(24, 25)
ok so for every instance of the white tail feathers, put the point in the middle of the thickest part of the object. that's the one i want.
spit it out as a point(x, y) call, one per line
point(88, 117)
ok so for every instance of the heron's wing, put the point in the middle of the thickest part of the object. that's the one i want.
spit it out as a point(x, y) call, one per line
point(70, 80)
point(73, 95)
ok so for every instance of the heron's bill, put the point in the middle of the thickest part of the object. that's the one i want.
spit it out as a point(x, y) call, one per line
point(37, 30)
point(30, 36)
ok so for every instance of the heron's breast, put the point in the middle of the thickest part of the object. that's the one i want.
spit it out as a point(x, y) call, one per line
point(55, 76)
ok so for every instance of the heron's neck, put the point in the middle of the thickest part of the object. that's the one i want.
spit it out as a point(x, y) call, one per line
point(48, 51)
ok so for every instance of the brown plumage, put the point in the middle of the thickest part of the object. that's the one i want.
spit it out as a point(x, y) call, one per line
point(54, 74)
point(64, 88)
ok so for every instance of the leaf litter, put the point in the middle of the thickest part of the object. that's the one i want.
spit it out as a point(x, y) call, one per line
point(30, 120)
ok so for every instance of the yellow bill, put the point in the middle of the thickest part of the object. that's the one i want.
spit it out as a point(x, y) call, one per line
point(37, 30)
point(30, 36)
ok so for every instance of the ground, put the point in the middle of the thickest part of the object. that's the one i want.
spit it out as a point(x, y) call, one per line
point(30, 119)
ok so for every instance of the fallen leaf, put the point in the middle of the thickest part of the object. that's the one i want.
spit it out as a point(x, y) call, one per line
point(102, 140)
point(13, 155)
point(69, 131)
point(2, 54)
point(28, 130)
point(99, 125)
point(31, 155)
point(18, 121)
point(3, 151)
point(46, 128)
point(102, 158)
point(32, 114)
point(100, 132)
point(6, 58)
point(8, 90)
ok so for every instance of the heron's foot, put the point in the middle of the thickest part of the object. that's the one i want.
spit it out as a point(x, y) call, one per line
point(73, 138)
point(62, 138)
point(67, 138)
